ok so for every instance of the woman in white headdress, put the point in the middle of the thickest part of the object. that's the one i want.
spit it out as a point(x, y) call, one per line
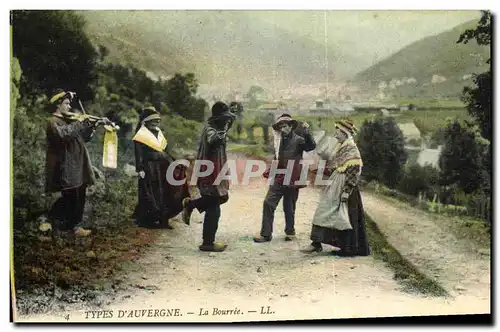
point(159, 200)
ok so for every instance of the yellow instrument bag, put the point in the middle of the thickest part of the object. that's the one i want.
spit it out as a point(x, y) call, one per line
point(110, 150)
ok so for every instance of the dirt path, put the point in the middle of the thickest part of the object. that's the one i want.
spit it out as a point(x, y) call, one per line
point(249, 276)
point(428, 243)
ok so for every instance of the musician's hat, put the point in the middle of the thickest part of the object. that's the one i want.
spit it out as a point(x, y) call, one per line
point(60, 95)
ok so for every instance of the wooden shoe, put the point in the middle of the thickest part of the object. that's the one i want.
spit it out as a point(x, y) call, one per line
point(260, 239)
point(215, 247)
point(82, 232)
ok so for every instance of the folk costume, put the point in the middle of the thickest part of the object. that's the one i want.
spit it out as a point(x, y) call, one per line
point(287, 148)
point(68, 168)
point(339, 218)
point(212, 148)
point(158, 200)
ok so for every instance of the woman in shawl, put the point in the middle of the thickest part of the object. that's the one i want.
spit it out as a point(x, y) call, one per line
point(339, 217)
point(158, 200)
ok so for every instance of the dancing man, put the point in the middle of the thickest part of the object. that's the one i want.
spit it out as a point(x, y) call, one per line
point(213, 150)
point(288, 147)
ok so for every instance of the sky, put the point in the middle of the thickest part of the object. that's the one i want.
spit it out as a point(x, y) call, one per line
point(376, 34)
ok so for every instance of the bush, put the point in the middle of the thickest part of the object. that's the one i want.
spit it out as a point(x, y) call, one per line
point(181, 133)
point(29, 159)
point(463, 160)
point(417, 179)
point(382, 147)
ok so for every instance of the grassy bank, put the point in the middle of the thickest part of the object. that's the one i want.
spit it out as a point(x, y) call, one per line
point(405, 272)
point(429, 120)
point(477, 232)
point(51, 258)
point(257, 151)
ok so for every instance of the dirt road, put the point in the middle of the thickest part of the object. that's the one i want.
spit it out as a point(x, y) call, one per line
point(428, 243)
point(274, 281)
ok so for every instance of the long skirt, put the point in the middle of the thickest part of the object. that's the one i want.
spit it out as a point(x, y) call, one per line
point(352, 242)
point(159, 200)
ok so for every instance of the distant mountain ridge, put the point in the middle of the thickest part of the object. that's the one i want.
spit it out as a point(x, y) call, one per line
point(213, 46)
point(435, 66)
point(235, 50)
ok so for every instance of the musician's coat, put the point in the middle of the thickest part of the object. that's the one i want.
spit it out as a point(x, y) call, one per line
point(68, 164)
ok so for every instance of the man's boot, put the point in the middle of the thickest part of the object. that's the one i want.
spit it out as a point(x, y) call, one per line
point(187, 211)
point(82, 232)
point(260, 239)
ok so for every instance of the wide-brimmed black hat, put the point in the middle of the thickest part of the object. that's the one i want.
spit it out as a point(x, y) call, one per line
point(221, 110)
point(285, 118)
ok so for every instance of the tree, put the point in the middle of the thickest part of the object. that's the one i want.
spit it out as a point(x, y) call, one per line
point(252, 95)
point(381, 144)
point(53, 51)
point(478, 98)
point(237, 108)
point(265, 122)
point(461, 161)
point(180, 97)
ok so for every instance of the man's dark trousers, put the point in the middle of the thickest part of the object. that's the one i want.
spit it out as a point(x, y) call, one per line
point(273, 197)
point(211, 206)
point(67, 211)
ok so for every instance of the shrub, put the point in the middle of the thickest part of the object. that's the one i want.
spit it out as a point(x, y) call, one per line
point(381, 144)
point(28, 157)
point(417, 179)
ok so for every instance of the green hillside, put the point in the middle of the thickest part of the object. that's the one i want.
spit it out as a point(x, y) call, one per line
point(438, 56)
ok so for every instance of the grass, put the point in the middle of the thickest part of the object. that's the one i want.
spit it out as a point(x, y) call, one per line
point(405, 272)
point(58, 258)
point(431, 120)
point(249, 150)
point(476, 232)
point(65, 261)
point(434, 103)
point(432, 116)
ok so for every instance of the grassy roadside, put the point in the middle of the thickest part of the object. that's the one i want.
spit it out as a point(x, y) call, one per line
point(256, 151)
point(45, 260)
point(476, 232)
point(405, 272)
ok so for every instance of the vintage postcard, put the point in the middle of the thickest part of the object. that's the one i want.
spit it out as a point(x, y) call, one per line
point(250, 166)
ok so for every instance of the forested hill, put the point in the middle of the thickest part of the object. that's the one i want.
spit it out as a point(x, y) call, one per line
point(432, 66)
point(217, 46)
